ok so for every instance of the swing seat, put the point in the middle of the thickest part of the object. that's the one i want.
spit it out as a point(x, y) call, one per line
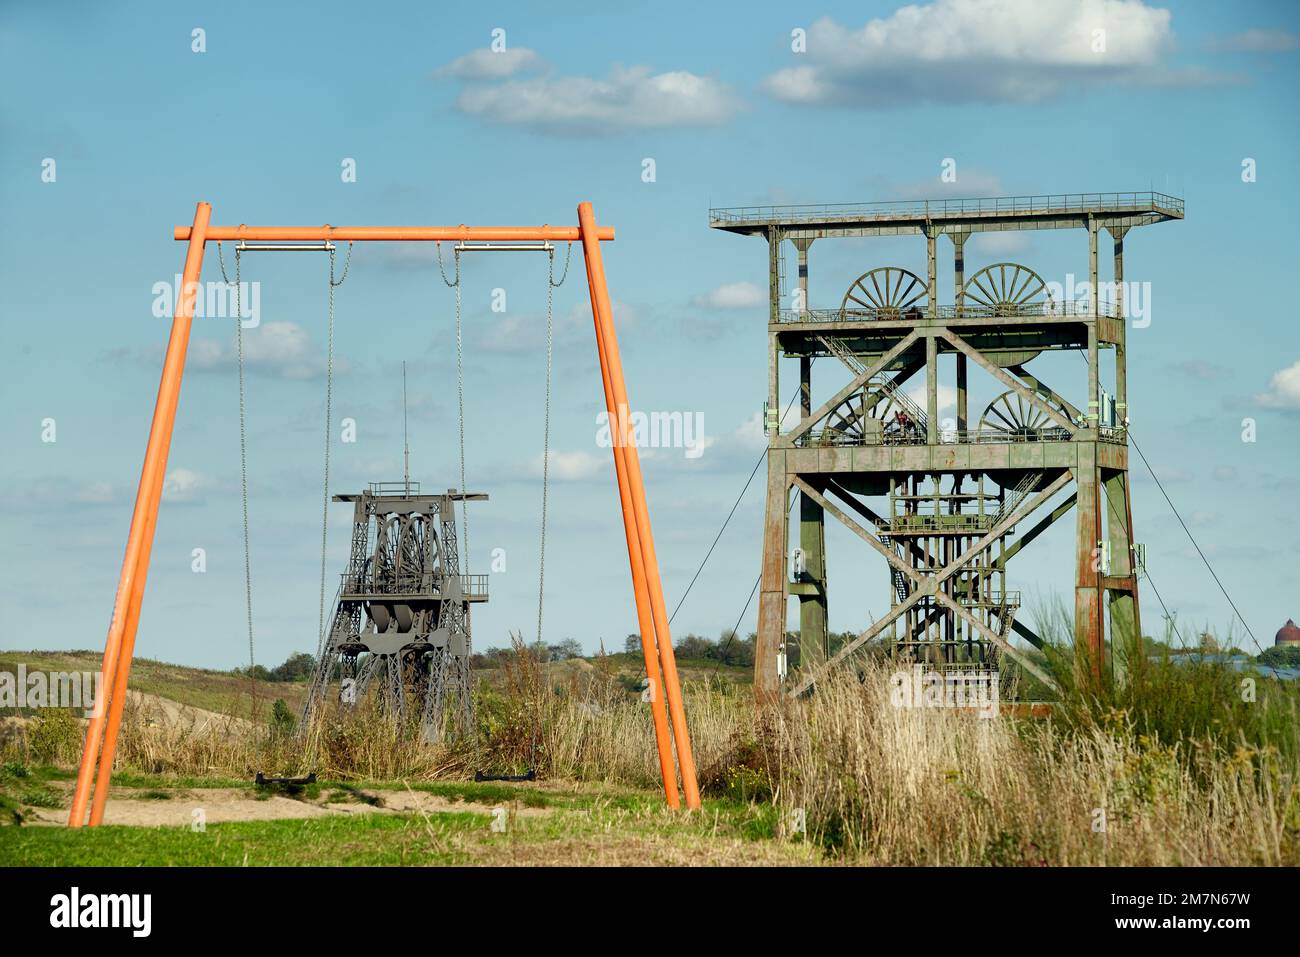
point(263, 781)
point(530, 776)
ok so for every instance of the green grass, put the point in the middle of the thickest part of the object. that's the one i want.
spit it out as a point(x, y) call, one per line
point(369, 839)
point(625, 829)
point(23, 787)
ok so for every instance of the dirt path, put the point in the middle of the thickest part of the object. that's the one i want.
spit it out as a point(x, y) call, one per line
point(131, 806)
point(174, 714)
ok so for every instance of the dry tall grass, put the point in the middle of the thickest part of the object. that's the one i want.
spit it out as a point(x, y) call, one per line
point(874, 783)
point(897, 785)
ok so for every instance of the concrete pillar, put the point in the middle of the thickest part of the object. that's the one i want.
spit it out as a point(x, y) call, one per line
point(1121, 347)
point(959, 288)
point(932, 389)
point(1088, 636)
point(812, 521)
point(932, 272)
point(774, 409)
point(1092, 263)
point(771, 597)
point(1125, 622)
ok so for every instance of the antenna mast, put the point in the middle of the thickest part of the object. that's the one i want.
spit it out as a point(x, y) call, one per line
point(406, 445)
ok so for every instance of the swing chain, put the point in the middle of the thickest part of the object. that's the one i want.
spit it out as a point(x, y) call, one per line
point(243, 445)
point(329, 424)
point(449, 283)
point(551, 286)
point(460, 399)
point(568, 254)
point(347, 264)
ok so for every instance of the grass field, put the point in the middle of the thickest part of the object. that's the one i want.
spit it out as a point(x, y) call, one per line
point(1177, 765)
point(476, 823)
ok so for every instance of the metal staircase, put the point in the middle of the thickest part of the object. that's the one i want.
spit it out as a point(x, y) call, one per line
point(1018, 494)
point(884, 384)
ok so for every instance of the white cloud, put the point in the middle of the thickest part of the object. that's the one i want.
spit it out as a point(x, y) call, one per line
point(574, 466)
point(485, 64)
point(282, 349)
point(732, 295)
point(1202, 370)
point(979, 50)
point(185, 486)
point(947, 396)
point(629, 98)
point(1283, 389)
point(95, 493)
point(967, 184)
point(1257, 41)
point(1225, 473)
point(1001, 244)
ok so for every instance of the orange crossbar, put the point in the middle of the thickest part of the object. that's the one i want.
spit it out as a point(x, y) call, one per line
point(102, 730)
point(495, 234)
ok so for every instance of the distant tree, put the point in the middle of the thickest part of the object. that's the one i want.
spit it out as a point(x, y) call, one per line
point(568, 648)
point(1280, 656)
point(695, 648)
point(257, 672)
point(297, 667)
point(732, 649)
point(632, 644)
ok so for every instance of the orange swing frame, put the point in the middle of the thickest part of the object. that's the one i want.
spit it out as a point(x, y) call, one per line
point(652, 619)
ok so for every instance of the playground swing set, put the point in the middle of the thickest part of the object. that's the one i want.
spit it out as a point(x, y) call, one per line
point(665, 696)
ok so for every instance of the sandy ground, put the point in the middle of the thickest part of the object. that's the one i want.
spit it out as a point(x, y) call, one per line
point(159, 710)
point(175, 714)
point(128, 806)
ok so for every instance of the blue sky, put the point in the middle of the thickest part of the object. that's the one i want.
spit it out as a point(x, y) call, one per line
point(442, 131)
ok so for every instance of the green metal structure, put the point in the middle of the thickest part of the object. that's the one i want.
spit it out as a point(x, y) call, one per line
point(941, 502)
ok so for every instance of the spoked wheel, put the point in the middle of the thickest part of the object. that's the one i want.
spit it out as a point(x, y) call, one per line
point(388, 553)
point(411, 552)
point(886, 292)
point(897, 415)
point(1019, 420)
point(1006, 289)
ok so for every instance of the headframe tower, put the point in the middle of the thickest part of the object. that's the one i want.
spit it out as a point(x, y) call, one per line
point(941, 502)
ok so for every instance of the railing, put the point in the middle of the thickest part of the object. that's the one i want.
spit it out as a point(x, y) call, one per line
point(987, 206)
point(472, 586)
point(823, 438)
point(961, 521)
point(1034, 310)
point(395, 488)
point(993, 599)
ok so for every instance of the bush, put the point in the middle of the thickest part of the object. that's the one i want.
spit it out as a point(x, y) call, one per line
point(283, 721)
point(54, 736)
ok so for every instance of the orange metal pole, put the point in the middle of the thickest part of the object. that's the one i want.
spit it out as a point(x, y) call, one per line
point(645, 620)
point(130, 587)
point(610, 354)
point(397, 233)
point(113, 720)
